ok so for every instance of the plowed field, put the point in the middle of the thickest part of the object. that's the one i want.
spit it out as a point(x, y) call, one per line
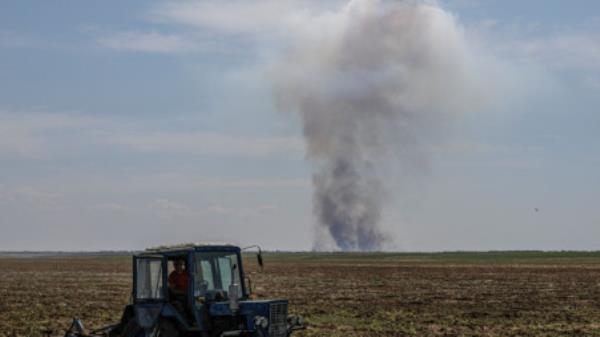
point(460, 294)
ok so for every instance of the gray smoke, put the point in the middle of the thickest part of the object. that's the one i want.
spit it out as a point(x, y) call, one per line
point(371, 83)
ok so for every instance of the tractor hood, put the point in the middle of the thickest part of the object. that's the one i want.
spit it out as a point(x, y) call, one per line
point(266, 315)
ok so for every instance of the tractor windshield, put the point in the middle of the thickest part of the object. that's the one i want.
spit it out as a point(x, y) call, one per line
point(215, 272)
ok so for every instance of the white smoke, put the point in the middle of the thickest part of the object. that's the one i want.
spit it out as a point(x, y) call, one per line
point(371, 83)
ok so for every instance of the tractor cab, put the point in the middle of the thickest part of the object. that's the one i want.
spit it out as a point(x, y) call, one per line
point(211, 274)
point(199, 290)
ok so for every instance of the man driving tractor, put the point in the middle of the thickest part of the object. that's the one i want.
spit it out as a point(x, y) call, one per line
point(179, 278)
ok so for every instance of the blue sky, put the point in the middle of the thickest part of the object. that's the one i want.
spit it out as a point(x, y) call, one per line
point(126, 125)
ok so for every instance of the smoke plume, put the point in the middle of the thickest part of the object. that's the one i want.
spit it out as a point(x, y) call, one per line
point(371, 83)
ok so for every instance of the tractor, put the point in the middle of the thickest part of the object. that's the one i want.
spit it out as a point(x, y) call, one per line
point(217, 301)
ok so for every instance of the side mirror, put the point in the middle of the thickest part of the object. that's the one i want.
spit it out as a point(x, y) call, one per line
point(260, 259)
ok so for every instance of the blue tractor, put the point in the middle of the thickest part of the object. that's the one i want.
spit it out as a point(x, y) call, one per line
point(216, 300)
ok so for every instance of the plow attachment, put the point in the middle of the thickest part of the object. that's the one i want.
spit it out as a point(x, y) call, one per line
point(77, 329)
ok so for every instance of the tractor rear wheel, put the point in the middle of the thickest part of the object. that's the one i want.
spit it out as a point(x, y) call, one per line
point(132, 329)
point(166, 328)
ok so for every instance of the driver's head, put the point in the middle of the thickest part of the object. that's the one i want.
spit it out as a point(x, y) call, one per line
point(178, 265)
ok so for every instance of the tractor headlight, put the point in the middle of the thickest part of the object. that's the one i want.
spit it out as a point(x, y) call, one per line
point(261, 321)
point(295, 321)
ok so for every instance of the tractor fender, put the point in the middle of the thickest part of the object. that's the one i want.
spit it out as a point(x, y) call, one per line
point(140, 320)
point(128, 315)
point(131, 329)
point(147, 315)
point(170, 313)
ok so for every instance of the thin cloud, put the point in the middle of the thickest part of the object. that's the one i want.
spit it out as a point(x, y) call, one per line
point(222, 183)
point(573, 50)
point(31, 196)
point(9, 39)
point(208, 20)
point(28, 134)
point(111, 206)
point(205, 25)
point(234, 17)
point(48, 135)
point(210, 143)
point(241, 211)
point(19, 40)
point(153, 42)
point(170, 207)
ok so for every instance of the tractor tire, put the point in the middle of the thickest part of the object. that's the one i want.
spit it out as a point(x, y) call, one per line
point(166, 328)
point(132, 329)
point(128, 314)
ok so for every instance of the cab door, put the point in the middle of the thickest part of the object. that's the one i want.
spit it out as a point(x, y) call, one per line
point(149, 278)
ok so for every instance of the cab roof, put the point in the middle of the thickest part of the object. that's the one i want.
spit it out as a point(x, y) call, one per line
point(186, 247)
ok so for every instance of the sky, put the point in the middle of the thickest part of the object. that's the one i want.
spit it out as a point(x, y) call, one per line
point(125, 125)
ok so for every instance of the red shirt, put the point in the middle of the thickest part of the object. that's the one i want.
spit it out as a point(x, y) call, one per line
point(179, 281)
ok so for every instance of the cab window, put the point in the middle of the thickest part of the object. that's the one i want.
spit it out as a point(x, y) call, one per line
point(149, 283)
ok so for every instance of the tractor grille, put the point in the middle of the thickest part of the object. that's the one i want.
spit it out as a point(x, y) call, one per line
point(278, 320)
point(221, 324)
